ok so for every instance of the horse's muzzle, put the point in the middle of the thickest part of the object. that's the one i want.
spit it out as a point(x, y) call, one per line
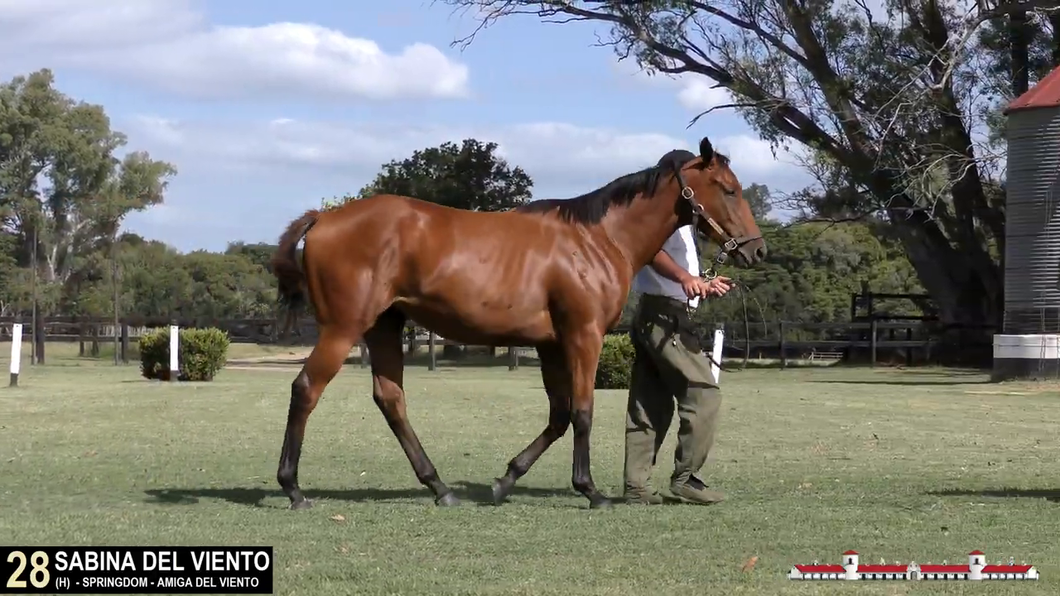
point(751, 253)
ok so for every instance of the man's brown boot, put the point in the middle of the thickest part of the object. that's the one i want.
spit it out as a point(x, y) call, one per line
point(694, 490)
point(643, 496)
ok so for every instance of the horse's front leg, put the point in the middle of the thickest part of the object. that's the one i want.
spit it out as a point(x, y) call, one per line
point(582, 348)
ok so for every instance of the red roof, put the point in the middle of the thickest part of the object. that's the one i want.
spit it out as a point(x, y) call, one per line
point(820, 568)
point(1006, 569)
point(883, 568)
point(1046, 94)
point(851, 552)
point(944, 569)
point(976, 552)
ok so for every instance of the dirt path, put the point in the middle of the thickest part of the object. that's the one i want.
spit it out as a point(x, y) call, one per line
point(262, 367)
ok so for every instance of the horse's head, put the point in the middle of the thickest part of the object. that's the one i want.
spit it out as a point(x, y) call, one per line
point(712, 199)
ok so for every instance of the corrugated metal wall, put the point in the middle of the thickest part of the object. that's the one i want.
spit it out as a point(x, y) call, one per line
point(1032, 222)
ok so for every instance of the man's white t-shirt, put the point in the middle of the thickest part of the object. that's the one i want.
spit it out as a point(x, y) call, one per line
point(681, 246)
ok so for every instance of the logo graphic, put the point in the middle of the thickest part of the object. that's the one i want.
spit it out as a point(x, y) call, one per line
point(976, 569)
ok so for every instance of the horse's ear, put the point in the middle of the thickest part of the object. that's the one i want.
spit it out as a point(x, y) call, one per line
point(706, 150)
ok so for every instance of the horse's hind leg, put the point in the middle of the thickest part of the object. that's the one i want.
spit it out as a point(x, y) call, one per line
point(323, 363)
point(385, 347)
point(556, 379)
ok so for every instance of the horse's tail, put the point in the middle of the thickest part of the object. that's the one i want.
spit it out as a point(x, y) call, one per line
point(288, 268)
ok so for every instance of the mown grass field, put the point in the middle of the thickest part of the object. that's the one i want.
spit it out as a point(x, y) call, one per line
point(900, 465)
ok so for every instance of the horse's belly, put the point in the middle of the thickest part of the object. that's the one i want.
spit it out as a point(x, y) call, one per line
point(480, 322)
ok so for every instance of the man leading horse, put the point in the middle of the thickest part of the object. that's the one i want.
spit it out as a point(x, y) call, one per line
point(670, 365)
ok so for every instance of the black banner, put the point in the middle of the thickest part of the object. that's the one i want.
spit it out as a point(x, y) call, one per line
point(136, 570)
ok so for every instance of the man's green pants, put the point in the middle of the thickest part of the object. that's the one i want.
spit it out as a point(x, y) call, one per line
point(669, 366)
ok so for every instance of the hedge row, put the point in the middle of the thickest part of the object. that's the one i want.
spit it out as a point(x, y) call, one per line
point(616, 362)
point(203, 352)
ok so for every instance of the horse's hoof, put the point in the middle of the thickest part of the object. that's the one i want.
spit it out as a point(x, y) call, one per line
point(500, 490)
point(600, 502)
point(303, 504)
point(447, 500)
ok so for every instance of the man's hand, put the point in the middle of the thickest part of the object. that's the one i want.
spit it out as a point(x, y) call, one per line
point(697, 287)
point(720, 285)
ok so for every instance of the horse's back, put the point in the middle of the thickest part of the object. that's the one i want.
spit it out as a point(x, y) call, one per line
point(419, 239)
point(389, 219)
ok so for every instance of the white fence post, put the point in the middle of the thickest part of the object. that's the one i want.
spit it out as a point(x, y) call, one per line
point(174, 352)
point(716, 351)
point(16, 353)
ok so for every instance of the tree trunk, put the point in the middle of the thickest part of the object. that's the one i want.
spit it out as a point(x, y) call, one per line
point(1019, 39)
point(953, 280)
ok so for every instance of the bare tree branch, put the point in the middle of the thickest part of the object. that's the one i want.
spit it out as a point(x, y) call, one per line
point(724, 106)
point(976, 16)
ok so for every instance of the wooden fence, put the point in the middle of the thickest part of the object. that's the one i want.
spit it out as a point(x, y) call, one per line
point(846, 339)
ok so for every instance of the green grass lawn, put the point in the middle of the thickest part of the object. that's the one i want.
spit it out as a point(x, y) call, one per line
point(897, 465)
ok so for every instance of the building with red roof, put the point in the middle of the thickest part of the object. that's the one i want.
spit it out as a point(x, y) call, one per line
point(1028, 344)
point(944, 571)
point(975, 570)
point(819, 571)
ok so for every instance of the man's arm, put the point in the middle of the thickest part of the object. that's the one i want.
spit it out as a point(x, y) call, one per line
point(693, 285)
point(665, 266)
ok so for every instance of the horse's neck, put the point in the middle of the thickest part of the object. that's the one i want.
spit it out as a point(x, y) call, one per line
point(641, 228)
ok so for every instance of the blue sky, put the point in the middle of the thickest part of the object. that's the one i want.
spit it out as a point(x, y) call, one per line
point(265, 107)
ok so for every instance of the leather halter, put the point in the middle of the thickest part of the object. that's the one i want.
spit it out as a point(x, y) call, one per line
point(727, 247)
point(729, 244)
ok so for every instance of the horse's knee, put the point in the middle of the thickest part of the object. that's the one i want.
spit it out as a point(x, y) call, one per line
point(300, 384)
point(387, 399)
point(301, 393)
point(559, 422)
point(390, 399)
point(582, 421)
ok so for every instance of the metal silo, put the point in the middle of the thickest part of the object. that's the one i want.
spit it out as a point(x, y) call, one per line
point(1029, 344)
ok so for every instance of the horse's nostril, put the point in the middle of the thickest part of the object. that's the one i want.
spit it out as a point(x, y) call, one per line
point(760, 253)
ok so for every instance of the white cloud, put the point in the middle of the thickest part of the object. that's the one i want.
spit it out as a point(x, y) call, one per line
point(753, 157)
point(166, 43)
point(245, 179)
point(700, 94)
point(76, 25)
point(559, 157)
point(694, 92)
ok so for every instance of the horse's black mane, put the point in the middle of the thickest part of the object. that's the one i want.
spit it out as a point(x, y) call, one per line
point(591, 207)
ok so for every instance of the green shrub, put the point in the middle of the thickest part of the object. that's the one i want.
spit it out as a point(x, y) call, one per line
point(202, 353)
point(616, 362)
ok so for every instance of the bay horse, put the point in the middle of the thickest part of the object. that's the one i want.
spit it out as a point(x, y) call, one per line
point(553, 274)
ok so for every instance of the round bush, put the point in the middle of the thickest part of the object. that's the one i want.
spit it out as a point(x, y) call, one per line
point(616, 362)
point(203, 352)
